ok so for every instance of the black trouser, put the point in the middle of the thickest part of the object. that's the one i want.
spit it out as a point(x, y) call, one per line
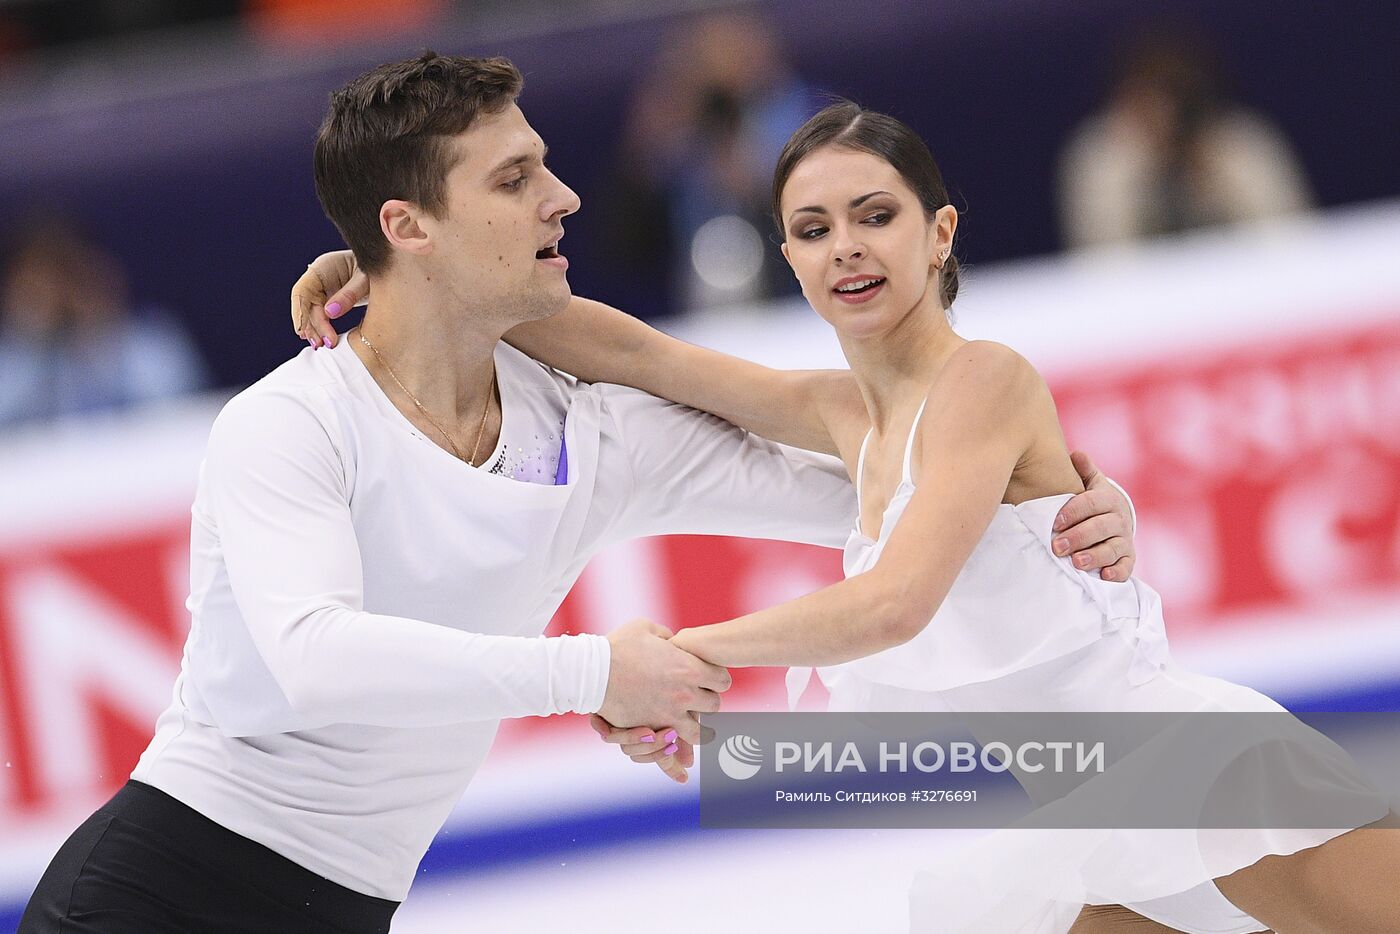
point(145, 863)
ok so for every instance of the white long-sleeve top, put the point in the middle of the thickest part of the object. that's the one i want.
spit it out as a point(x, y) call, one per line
point(366, 607)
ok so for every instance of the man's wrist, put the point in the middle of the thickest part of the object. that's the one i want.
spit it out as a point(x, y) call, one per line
point(578, 672)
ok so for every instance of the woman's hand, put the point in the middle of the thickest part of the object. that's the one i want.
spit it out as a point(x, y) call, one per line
point(1096, 526)
point(671, 754)
point(331, 286)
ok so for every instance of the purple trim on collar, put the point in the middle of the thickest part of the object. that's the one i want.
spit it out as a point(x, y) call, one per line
point(561, 476)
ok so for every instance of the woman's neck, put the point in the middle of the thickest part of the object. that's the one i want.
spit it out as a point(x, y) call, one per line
point(895, 369)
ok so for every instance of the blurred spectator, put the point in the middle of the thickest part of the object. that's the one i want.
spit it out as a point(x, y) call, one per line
point(1170, 152)
point(32, 24)
point(325, 22)
point(704, 130)
point(70, 341)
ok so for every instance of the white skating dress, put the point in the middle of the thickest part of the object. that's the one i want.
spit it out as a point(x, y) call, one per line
point(1024, 630)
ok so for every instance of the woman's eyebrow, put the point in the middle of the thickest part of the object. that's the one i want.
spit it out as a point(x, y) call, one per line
point(855, 203)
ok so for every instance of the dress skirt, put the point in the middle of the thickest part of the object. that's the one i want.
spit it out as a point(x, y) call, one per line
point(1036, 881)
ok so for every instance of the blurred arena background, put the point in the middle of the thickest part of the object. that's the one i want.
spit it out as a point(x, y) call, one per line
point(1186, 214)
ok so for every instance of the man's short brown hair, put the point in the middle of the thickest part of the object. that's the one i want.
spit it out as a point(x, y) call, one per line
point(386, 137)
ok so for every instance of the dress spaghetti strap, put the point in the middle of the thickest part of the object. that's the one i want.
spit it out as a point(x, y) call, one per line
point(909, 445)
point(860, 471)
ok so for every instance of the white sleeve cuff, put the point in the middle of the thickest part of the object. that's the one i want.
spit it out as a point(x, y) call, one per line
point(578, 672)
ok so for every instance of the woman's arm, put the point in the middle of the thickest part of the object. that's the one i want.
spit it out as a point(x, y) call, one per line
point(600, 344)
point(1096, 526)
point(980, 419)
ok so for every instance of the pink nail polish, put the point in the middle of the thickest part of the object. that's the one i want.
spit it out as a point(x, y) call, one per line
point(670, 736)
point(649, 738)
point(333, 309)
point(671, 749)
point(311, 343)
point(326, 341)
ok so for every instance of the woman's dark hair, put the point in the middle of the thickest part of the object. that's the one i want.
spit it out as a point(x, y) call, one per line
point(847, 125)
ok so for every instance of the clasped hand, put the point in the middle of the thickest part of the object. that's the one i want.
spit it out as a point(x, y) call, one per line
point(653, 681)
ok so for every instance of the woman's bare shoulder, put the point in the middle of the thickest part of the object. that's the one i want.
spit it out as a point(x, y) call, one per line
point(989, 371)
point(1018, 402)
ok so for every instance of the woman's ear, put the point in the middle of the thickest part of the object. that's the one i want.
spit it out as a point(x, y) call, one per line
point(787, 256)
point(941, 228)
point(945, 224)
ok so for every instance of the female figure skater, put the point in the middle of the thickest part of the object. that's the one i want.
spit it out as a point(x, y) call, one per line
point(960, 466)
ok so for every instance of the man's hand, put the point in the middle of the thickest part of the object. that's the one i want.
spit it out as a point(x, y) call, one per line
point(330, 287)
point(652, 681)
point(1096, 526)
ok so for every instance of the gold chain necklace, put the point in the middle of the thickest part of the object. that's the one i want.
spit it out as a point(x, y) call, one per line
point(442, 431)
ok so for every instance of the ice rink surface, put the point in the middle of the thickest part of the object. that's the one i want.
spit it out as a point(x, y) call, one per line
point(822, 882)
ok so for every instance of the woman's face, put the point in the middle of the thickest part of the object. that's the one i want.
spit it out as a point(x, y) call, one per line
point(859, 241)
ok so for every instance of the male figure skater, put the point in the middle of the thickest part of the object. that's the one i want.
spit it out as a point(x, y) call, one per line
point(383, 530)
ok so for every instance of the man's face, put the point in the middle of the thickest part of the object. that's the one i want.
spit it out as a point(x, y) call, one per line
point(495, 244)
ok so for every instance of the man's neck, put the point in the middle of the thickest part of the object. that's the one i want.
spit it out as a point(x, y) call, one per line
point(441, 352)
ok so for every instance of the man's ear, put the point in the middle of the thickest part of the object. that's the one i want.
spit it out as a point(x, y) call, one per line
point(399, 222)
